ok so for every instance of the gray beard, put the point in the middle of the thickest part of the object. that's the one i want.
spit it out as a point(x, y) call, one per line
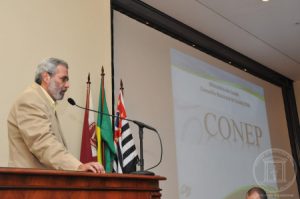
point(55, 92)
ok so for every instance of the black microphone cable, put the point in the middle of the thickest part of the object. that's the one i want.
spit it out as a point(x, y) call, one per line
point(161, 153)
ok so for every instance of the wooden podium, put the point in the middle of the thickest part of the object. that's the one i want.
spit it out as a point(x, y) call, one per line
point(51, 184)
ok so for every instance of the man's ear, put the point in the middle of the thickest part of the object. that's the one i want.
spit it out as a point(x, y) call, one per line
point(45, 77)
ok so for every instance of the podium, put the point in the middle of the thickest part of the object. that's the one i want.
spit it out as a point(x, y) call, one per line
point(16, 183)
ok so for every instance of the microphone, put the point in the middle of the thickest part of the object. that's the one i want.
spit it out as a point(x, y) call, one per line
point(71, 101)
point(140, 124)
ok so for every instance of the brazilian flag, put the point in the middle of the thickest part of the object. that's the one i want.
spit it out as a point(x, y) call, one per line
point(105, 146)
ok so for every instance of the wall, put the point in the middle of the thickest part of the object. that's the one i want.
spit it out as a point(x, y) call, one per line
point(74, 30)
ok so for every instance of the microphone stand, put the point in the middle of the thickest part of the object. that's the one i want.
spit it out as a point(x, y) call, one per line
point(141, 161)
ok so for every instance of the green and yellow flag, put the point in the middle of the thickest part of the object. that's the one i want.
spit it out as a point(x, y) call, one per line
point(106, 148)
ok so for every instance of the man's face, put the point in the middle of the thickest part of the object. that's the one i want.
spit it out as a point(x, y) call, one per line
point(59, 83)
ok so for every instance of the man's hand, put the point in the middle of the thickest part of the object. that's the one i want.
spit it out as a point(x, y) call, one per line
point(94, 167)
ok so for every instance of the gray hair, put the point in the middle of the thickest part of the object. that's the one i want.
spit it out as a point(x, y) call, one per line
point(261, 192)
point(48, 65)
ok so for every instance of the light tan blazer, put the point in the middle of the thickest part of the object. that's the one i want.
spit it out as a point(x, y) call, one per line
point(34, 133)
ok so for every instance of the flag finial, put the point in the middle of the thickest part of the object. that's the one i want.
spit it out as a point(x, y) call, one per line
point(121, 86)
point(102, 72)
point(89, 79)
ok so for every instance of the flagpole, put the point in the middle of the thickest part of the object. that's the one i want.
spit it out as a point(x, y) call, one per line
point(102, 100)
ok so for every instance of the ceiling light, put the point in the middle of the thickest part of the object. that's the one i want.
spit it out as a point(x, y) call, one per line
point(265, 0)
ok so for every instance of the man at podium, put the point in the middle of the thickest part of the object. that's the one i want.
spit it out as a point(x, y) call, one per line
point(34, 133)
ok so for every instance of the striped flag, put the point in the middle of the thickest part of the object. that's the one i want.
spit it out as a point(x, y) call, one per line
point(88, 151)
point(127, 157)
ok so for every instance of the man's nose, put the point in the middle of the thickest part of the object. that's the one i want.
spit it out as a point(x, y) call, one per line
point(67, 84)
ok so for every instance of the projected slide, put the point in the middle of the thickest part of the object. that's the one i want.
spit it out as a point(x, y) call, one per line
point(221, 128)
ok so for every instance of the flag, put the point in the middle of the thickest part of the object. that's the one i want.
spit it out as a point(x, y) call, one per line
point(127, 158)
point(106, 149)
point(88, 151)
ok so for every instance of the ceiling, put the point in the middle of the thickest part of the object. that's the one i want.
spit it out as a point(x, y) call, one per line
point(267, 32)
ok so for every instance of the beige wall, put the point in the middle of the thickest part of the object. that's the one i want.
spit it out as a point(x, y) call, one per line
point(74, 30)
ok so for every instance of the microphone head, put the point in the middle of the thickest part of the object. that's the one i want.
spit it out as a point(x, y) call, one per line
point(71, 101)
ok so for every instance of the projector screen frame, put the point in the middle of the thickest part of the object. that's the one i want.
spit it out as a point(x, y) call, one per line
point(156, 19)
